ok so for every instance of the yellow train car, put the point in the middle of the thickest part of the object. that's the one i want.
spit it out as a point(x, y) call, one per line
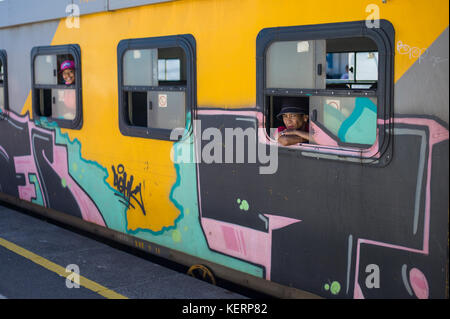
point(160, 124)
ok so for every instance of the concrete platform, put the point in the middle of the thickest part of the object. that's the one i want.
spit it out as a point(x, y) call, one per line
point(117, 271)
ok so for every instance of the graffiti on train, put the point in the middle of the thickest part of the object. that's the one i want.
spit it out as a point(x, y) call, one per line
point(373, 244)
point(35, 167)
point(378, 243)
point(124, 186)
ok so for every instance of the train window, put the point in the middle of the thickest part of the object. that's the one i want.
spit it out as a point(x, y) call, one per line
point(56, 79)
point(156, 85)
point(3, 82)
point(336, 73)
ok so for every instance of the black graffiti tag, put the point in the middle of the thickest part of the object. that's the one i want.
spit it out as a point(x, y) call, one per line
point(125, 188)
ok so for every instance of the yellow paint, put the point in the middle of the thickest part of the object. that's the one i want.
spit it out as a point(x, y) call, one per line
point(225, 32)
point(89, 284)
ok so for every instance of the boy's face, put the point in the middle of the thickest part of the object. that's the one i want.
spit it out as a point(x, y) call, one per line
point(69, 76)
point(294, 121)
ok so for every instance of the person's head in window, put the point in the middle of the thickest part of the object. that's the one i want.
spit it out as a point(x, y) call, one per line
point(68, 72)
point(296, 126)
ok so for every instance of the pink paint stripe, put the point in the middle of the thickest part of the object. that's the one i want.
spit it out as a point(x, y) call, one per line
point(378, 243)
point(256, 245)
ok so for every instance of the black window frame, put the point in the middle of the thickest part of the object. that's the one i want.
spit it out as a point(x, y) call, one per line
point(3, 59)
point(75, 51)
point(188, 44)
point(383, 36)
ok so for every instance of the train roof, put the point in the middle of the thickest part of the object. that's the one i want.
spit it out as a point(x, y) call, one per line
point(17, 12)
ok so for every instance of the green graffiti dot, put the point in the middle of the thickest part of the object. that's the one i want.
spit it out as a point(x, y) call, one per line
point(185, 228)
point(75, 166)
point(327, 287)
point(187, 211)
point(238, 201)
point(335, 287)
point(176, 236)
point(244, 205)
point(63, 182)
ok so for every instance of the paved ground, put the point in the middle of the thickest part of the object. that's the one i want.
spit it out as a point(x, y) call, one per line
point(34, 255)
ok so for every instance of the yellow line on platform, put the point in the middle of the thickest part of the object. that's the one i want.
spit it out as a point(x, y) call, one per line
point(87, 283)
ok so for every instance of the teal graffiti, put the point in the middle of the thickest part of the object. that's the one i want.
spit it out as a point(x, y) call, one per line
point(87, 175)
point(39, 199)
point(361, 126)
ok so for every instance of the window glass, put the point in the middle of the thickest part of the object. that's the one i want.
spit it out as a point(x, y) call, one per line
point(350, 119)
point(56, 102)
point(140, 67)
point(56, 85)
point(156, 85)
point(169, 70)
point(366, 66)
point(45, 69)
point(64, 104)
point(2, 99)
point(1, 73)
point(2, 95)
point(162, 105)
point(292, 64)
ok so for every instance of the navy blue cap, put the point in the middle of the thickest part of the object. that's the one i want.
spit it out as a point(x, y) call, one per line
point(293, 109)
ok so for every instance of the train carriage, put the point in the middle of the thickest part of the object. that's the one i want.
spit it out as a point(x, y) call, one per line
point(165, 137)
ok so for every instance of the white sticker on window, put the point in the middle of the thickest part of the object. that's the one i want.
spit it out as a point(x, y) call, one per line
point(303, 46)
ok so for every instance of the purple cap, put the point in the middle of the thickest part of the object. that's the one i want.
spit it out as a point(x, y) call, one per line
point(67, 65)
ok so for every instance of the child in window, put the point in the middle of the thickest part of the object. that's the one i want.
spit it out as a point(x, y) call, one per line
point(68, 96)
point(68, 72)
point(296, 126)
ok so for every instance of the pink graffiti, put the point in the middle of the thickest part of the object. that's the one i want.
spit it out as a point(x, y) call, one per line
point(419, 283)
point(243, 242)
point(437, 134)
point(26, 165)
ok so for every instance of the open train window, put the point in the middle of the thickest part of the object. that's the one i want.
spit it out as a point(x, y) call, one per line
point(340, 73)
point(3, 82)
point(56, 84)
point(156, 85)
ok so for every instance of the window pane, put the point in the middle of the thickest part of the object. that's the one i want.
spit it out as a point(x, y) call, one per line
point(140, 67)
point(352, 63)
point(2, 99)
point(166, 109)
point(172, 70)
point(45, 69)
point(64, 103)
point(367, 66)
point(1, 73)
point(338, 65)
point(294, 64)
point(161, 70)
point(351, 119)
